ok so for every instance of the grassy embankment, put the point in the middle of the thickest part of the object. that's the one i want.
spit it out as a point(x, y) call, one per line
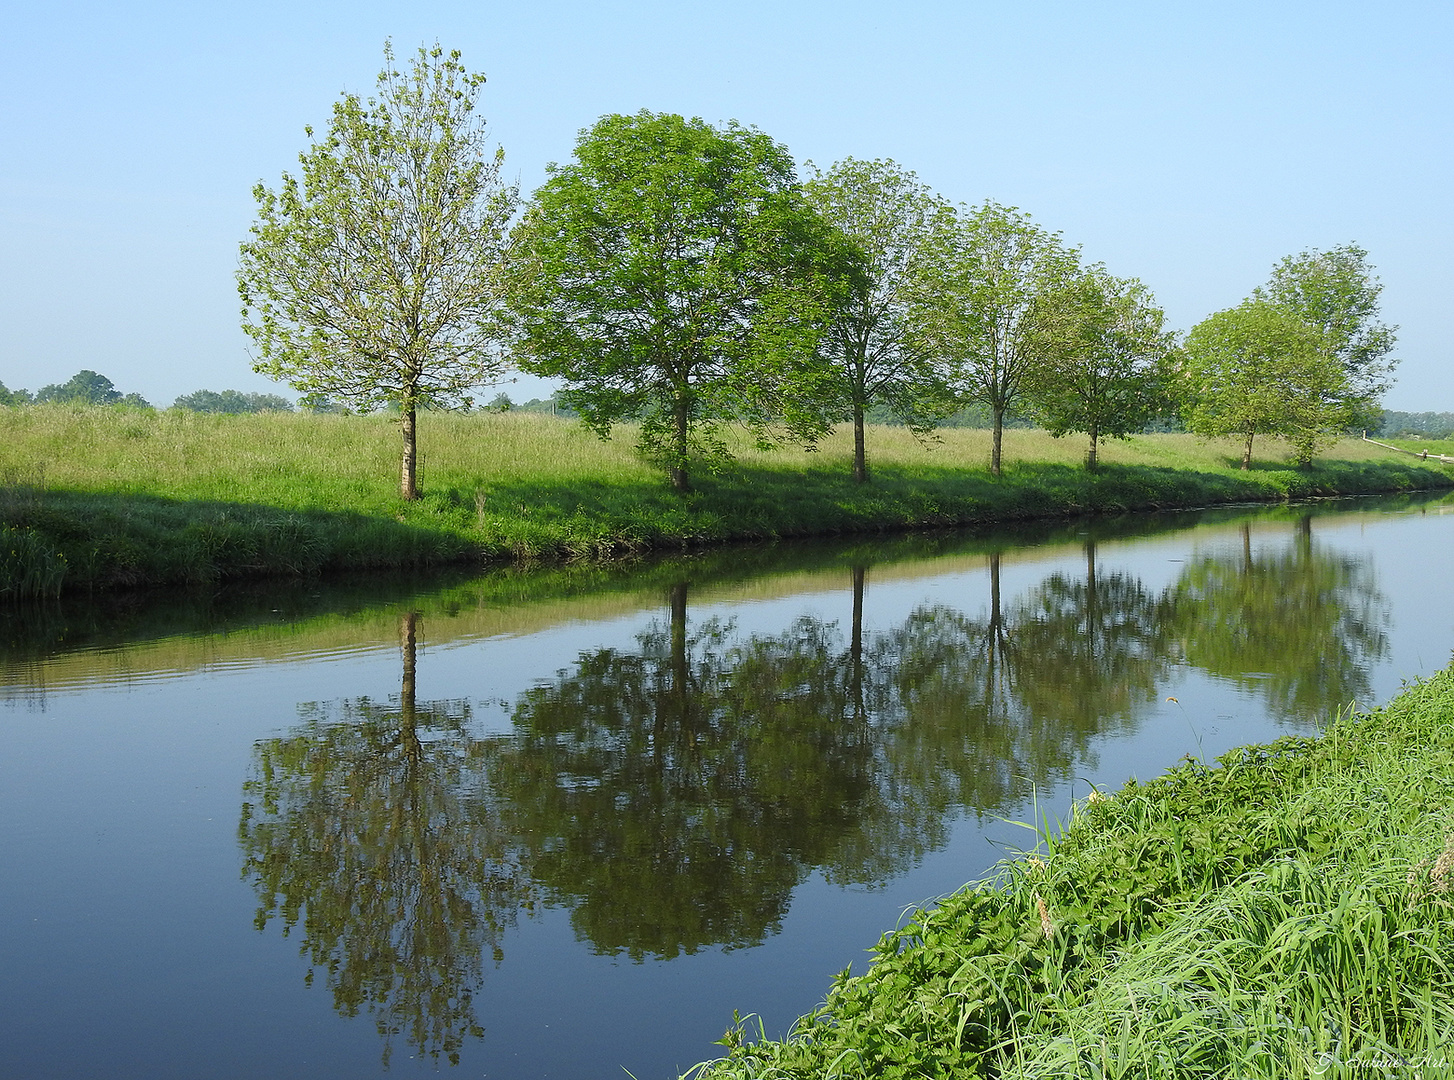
point(97, 498)
point(1285, 914)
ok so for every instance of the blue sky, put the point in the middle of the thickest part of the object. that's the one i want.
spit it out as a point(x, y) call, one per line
point(1188, 145)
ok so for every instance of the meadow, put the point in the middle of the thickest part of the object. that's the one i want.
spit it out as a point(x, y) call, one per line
point(1286, 912)
point(111, 497)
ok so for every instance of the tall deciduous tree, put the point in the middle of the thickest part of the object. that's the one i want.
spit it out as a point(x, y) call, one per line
point(674, 273)
point(1258, 369)
point(891, 218)
point(1103, 372)
point(1337, 292)
point(987, 309)
point(374, 277)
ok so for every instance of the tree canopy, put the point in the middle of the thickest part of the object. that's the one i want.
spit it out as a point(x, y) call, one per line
point(1258, 369)
point(1102, 372)
point(987, 311)
point(891, 218)
point(674, 273)
point(374, 277)
point(85, 387)
point(1336, 291)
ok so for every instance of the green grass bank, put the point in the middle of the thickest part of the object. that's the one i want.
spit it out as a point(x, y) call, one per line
point(103, 498)
point(1287, 912)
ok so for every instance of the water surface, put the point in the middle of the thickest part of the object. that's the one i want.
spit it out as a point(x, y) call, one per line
point(564, 822)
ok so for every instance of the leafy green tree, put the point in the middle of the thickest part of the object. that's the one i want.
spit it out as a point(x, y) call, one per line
point(673, 273)
point(1337, 292)
point(84, 388)
point(1258, 369)
point(375, 278)
point(1103, 372)
point(891, 219)
point(987, 308)
point(231, 401)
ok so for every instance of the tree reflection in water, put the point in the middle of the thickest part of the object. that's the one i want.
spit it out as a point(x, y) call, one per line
point(673, 794)
point(373, 825)
point(987, 707)
point(1299, 624)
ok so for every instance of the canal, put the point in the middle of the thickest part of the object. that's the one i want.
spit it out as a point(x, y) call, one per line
point(562, 822)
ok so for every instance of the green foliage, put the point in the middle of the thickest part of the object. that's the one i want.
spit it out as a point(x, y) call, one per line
point(1106, 367)
point(890, 218)
point(29, 565)
point(986, 308)
point(86, 388)
point(14, 397)
point(1288, 912)
point(1337, 292)
point(1255, 370)
point(375, 280)
point(1428, 425)
point(673, 272)
point(231, 401)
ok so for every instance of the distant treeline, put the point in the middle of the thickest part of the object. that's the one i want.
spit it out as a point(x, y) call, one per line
point(84, 388)
point(92, 388)
point(1426, 425)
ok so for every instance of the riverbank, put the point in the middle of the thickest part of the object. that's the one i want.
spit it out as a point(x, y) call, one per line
point(1287, 912)
point(108, 498)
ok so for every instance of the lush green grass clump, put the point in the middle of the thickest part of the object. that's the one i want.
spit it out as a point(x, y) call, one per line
point(1287, 913)
point(96, 497)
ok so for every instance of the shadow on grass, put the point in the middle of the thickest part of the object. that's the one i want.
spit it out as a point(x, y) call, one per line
point(106, 541)
point(749, 500)
point(763, 501)
point(113, 541)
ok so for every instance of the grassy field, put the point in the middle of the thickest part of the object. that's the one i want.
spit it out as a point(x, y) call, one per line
point(1286, 913)
point(98, 498)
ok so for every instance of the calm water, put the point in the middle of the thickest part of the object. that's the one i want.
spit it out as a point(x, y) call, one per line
point(558, 824)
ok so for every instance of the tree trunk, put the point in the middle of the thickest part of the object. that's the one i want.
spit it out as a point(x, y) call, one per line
point(680, 671)
point(855, 645)
point(1092, 462)
point(1304, 539)
point(678, 466)
point(1247, 451)
point(408, 651)
point(999, 411)
point(992, 654)
point(408, 486)
point(860, 460)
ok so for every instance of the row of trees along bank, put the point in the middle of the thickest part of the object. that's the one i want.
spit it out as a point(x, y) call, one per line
point(681, 275)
